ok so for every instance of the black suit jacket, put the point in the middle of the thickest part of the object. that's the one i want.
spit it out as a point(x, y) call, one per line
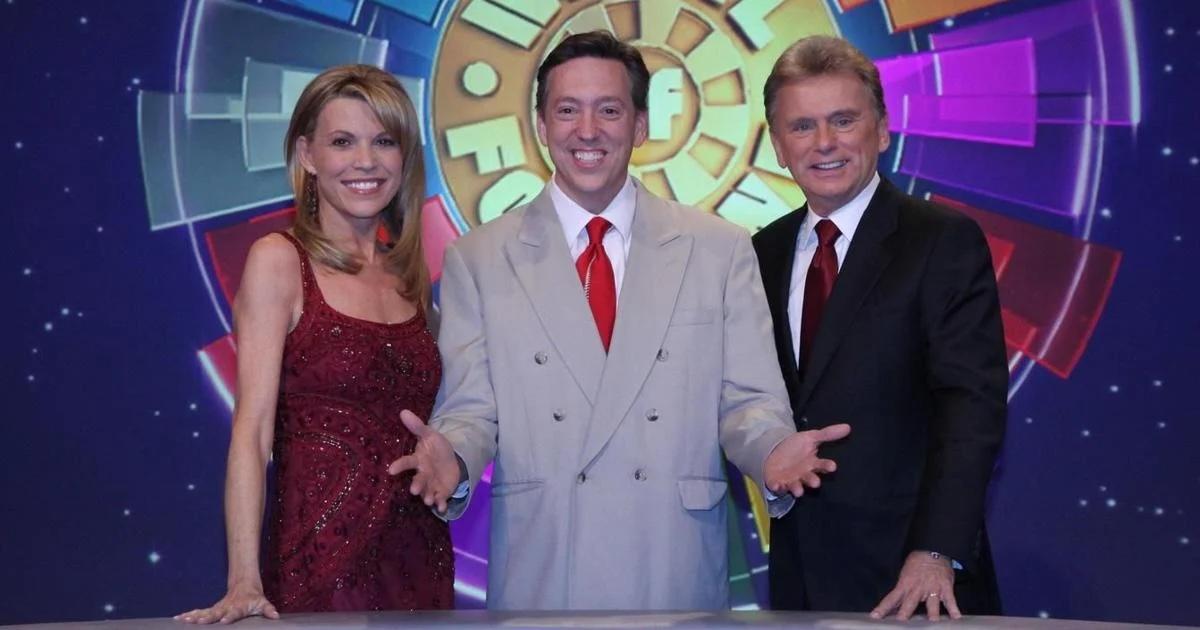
point(910, 352)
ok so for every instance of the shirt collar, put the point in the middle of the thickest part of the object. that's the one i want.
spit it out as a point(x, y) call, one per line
point(846, 218)
point(574, 218)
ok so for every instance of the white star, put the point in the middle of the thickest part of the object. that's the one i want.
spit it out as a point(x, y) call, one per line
point(1194, 161)
point(65, 311)
point(191, 486)
point(109, 608)
point(1158, 511)
point(48, 326)
point(1106, 213)
point(29, 378)
point(1157, 383)
point(1168, 68)
point(99, 138)
point(35, 350)
point(196, 434)
point(1085, 433)
point(192, 406)
point(1112, 503)
point(27, 271)
point(1083, 503)
point(1162, 425)
point(157, 413)
point(18, 144)
point(126, 512)
point(1170, 31)
point(1178, 238)
point(1114, 388)
point(67, 189)
point(1183, 540)
point(1028, 420)
point(1103, 488)
point(1167, 150)
point(154, 557)
point(136, 81)
point(83, 19)
point(1043, 614)
point(949, 22)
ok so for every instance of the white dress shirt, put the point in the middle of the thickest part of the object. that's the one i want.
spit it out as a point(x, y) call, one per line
point(846, 219)
point(619, 213)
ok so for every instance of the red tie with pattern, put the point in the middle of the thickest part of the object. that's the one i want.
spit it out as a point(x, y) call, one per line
point(596, 274)
point(817, 286)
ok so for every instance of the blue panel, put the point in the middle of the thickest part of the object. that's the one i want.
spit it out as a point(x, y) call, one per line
point(423, 10)
point(337, 9)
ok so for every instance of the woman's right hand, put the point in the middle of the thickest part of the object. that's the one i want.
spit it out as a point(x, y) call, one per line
point(237, 604)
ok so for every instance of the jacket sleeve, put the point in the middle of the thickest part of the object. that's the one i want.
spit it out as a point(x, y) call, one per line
point(967, 377)
point(466, 407)
point(754, 415)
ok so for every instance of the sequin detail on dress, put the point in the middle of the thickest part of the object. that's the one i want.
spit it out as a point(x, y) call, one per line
point(344, 535)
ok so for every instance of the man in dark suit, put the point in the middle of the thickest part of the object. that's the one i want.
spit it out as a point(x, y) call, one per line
point(886, 317)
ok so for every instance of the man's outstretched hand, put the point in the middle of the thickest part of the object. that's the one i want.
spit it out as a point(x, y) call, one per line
point(795, 463)
point(436, 465)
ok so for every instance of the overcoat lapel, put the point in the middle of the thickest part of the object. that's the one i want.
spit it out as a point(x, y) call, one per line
point(542, 263)
point(658, 256)
point(777, 281)
point(868, 256)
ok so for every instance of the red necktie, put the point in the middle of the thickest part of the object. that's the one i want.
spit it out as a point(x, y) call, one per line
point(596, 274)
point(817, 286)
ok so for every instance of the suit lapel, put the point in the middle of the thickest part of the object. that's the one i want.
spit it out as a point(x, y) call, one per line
point(777, 280)
point(543, 265)
point(658, 256)
point(868, 256)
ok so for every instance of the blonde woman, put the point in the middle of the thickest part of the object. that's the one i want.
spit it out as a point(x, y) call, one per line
point(333, 344)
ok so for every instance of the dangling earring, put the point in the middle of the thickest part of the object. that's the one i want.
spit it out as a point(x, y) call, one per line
point(310, 191)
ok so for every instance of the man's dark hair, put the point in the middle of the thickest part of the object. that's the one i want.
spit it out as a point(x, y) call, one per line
point(601, 45)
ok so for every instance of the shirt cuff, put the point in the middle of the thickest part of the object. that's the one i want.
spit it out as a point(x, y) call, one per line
point(464, 486)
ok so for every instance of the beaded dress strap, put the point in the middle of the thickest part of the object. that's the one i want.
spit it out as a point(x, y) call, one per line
point(312, 293)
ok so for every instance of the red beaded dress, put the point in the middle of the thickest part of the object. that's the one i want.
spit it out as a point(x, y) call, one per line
point(344, 535)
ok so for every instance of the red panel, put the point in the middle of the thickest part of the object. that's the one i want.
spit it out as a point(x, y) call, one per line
point(229, 246)
point(1018, 332)
point(1002, 252)
point(437, 231)
point(1052, 284)
point(908, 14)
point(221, 355)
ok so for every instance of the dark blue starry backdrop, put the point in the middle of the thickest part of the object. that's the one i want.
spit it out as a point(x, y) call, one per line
point(139, 146)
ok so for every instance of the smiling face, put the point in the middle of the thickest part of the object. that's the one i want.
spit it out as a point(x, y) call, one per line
point(358, 164)
point(826, 132)
point(590, 126)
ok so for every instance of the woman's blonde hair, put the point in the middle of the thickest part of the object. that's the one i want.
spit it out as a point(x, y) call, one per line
point(402, 215)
